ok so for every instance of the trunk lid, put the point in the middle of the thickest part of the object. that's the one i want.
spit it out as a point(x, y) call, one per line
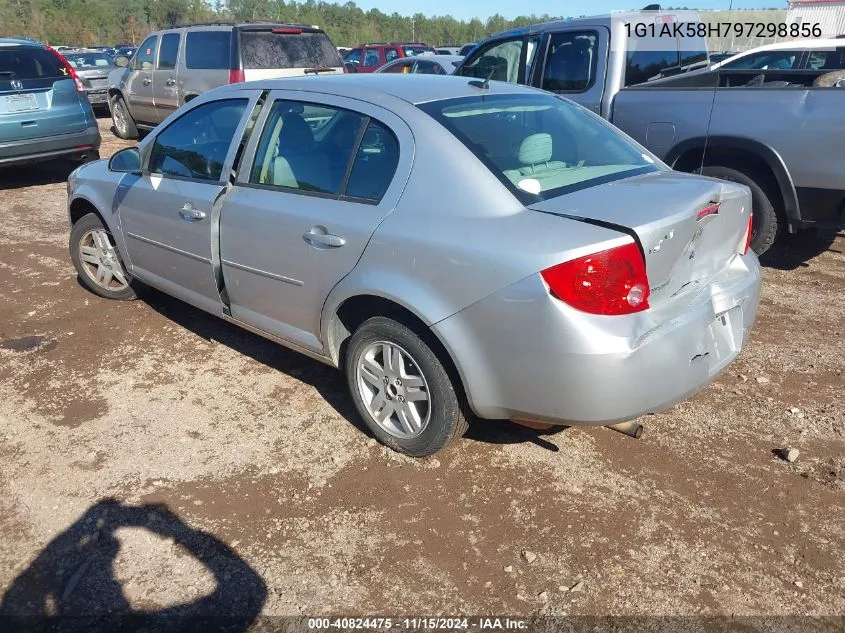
point(683, 248)
point(37, 96)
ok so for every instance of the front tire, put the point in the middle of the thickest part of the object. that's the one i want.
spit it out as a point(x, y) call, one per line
point(97, 261)
point(401, 388)
point(124, 124)
point(765, 224)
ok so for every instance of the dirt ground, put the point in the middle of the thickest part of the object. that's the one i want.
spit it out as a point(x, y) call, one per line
point(153, 456)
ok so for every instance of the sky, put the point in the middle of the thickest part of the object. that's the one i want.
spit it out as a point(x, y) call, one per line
point(466, 9)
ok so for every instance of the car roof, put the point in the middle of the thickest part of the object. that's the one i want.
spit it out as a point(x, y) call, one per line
point(372, 87)
point(14, 41)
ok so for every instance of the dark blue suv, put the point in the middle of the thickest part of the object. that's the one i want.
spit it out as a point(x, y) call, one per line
point(44, 110)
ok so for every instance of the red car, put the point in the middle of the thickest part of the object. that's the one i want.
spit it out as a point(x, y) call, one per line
point(369, 57)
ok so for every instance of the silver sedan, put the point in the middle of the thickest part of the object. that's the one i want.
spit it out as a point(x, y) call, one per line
point(458, 248)
point(423, 65)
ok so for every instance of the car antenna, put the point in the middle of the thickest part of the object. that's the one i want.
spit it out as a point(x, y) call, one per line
point(484, 85)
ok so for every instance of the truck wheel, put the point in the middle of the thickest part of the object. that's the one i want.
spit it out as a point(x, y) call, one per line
point(765, 224)
point(401, 389)
point(97, 261)
point(124, 124)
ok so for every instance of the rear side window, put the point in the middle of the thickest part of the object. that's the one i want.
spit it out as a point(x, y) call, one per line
point(196, 144)
point(390, 54)
point(265, 49)
point(768, 60)
point(571, 62)
point(29, 63)
point(372, 57)
point(375, 163)
point(208, 50)
point(827, 60)
point(169, 51)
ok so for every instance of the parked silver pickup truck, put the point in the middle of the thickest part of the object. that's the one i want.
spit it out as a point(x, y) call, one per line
point(781, 133)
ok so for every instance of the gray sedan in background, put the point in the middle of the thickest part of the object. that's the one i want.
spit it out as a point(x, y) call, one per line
point(458, 248)
point(423, 65)
point(93, 68)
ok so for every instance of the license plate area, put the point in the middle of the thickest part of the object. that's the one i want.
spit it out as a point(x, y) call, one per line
point(25, 102)
point(724, 338)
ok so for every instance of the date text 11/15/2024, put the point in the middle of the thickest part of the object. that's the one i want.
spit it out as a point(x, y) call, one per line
point(419, 623)
point(722, 29)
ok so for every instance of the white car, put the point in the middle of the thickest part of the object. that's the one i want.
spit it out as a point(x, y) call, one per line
point(808, 54)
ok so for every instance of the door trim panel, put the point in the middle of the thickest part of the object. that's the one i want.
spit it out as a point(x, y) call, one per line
point(263, 273)
point(167, 247)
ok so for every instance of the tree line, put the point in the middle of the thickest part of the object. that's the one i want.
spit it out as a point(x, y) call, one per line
point(90, 22)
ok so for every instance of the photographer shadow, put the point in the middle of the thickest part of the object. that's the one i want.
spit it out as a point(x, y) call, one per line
point(71, 585)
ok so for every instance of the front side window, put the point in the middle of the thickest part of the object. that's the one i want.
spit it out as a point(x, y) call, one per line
point(772, 60)
point(208, 50)
point(500, 61)
point(195, 146)
point(571, 62)
point(353, 56)
point(146, 54)
point(540, 146)
point(310, 148)
point(169, 51)
point(372, 57)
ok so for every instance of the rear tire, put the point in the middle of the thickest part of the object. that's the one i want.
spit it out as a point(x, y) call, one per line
point(766, 224)
point(420, 408)
point(124, 124)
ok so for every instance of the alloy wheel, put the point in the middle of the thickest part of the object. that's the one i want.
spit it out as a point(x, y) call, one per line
point(101, 262)
point(394, 390)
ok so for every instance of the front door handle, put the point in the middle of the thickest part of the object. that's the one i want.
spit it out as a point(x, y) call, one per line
point(147, 82)
point(321, 239)
point(171, 82)
point(190, 213)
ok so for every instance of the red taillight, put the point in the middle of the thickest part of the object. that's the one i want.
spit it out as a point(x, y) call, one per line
point(610, 282)
point(236, 76)
point(286, 30)
point(745, 242)
point(80, 87)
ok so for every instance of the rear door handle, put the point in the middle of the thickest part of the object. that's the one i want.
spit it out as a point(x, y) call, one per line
point(171, 82)
point(147, 82)
point(190, 213)
point(321, 239)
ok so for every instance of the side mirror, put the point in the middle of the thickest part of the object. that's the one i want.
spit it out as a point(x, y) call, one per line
point(121, 61)
point(126, 161)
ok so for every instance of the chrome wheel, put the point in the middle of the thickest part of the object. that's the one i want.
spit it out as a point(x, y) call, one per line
point(100, 261)
point(394, 390)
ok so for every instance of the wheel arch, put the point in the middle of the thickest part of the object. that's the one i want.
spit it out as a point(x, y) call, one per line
point(743, 155)
point(348, 314)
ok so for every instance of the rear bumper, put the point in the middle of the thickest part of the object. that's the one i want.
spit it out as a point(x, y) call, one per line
point(98, 97)
point(50, 147)
point(524, 355)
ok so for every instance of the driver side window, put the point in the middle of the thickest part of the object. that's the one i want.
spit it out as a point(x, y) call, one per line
point(146, 54)
point(500, 61)
point(195, 145)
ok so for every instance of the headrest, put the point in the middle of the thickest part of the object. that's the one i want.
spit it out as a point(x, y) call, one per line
point(536, 149)
point(296, 133)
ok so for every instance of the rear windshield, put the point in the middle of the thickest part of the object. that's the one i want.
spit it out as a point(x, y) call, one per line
point(267, 50)
point(29, 63)
point(85, 61)
point(208, 50)
point(540, 146)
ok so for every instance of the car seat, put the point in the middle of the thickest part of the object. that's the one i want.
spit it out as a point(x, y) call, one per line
point(298, 163)
point(535, 157)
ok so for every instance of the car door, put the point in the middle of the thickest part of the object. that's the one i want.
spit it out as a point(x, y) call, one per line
point(165, 86)
point(574, 65)
point(314, 185)
point(139, 82)
point(168, 214)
